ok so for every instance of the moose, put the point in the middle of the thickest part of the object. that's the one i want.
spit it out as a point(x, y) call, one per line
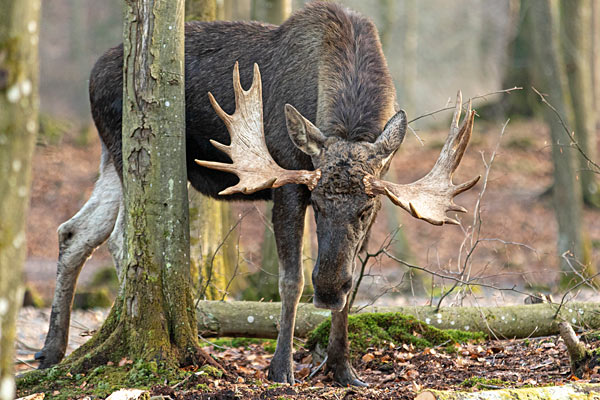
point(320, 129)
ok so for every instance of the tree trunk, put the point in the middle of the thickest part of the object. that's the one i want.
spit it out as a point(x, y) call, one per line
point(570, 391)
point(410, 27)
point(265, 284)
point(19, 37)
point(272, 11)
point(549, 78)
point(213, 247)
point(201, 10)
point(595, 64)
point(213, 254)
point(258, 319)
point(576, 37)
point(152, 318)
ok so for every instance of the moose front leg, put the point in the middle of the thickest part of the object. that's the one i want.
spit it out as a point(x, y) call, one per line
point(288, 223)
point(338, 353)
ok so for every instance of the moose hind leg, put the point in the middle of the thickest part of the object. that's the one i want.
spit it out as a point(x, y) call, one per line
point(338, 354)
point(78, 238)
point(288, 223)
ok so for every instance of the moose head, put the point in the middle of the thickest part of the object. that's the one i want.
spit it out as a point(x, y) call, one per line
point(346, 182)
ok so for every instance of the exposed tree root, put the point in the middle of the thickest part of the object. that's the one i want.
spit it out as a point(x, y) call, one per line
point(583, 361)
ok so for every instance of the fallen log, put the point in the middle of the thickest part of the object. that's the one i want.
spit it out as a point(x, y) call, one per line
point(572, 391)
point(257, 319)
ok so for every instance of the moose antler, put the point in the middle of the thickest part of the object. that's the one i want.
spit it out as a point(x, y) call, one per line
point(431, 197)
point(252, 162)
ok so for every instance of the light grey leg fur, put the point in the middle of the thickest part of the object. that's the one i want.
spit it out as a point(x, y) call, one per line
point(78, 238)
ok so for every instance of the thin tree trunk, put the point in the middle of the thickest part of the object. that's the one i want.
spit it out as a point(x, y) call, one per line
point(272, 11)
point(410, 24)
point(576, 37)
point(275, 12)
point(549, 78)
point(595, 64)
point(213, 253)
point(201, 10)
point(152, 318)
point(19, 37)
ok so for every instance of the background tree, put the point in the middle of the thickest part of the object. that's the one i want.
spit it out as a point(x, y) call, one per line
point(576, 40)
point(19, 37)
point(264, 284)
point(153, 317)
point(548, 77)
point(213, 244)
point(272, 11)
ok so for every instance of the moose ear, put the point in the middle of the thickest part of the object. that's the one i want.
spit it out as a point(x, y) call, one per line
point(392, 136)
point(303, 133)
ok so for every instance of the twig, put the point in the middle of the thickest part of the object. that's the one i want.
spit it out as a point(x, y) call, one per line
point(568, 132)
point(314, 371)
point(504, 91)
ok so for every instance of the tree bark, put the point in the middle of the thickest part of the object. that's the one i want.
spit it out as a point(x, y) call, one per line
point(576, 37)
point(19, 37)
point(258, 319)
point(152, 318)
point(272, 11)
point(570, 391)
point(549, 78)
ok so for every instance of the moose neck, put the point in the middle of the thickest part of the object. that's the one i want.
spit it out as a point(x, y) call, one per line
point(355, 90)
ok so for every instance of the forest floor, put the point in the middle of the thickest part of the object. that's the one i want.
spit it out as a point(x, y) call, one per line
point(392, 372)
point(518, 226)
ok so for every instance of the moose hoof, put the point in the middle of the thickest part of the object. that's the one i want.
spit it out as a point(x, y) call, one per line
point(48, 358)
point(281, 372)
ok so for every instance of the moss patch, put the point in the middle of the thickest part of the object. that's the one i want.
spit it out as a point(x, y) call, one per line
point(59, 383)
point(377, 329)
point(483, 383)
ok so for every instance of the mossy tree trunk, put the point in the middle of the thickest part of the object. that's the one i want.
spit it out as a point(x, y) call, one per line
point(213, 254)
point(576, 40)
point(19, 37)
point(152, 318)
point(549, 78)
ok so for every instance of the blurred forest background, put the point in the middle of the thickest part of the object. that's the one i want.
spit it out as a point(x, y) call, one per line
point(510, 239)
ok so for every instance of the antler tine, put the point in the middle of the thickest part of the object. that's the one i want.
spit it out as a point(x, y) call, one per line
point(248, 150)
point(432, 196)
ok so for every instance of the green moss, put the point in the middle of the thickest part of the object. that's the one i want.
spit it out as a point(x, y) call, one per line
point(99, 382)
point(483, 383)
point(377, 329)
point(212, 371)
